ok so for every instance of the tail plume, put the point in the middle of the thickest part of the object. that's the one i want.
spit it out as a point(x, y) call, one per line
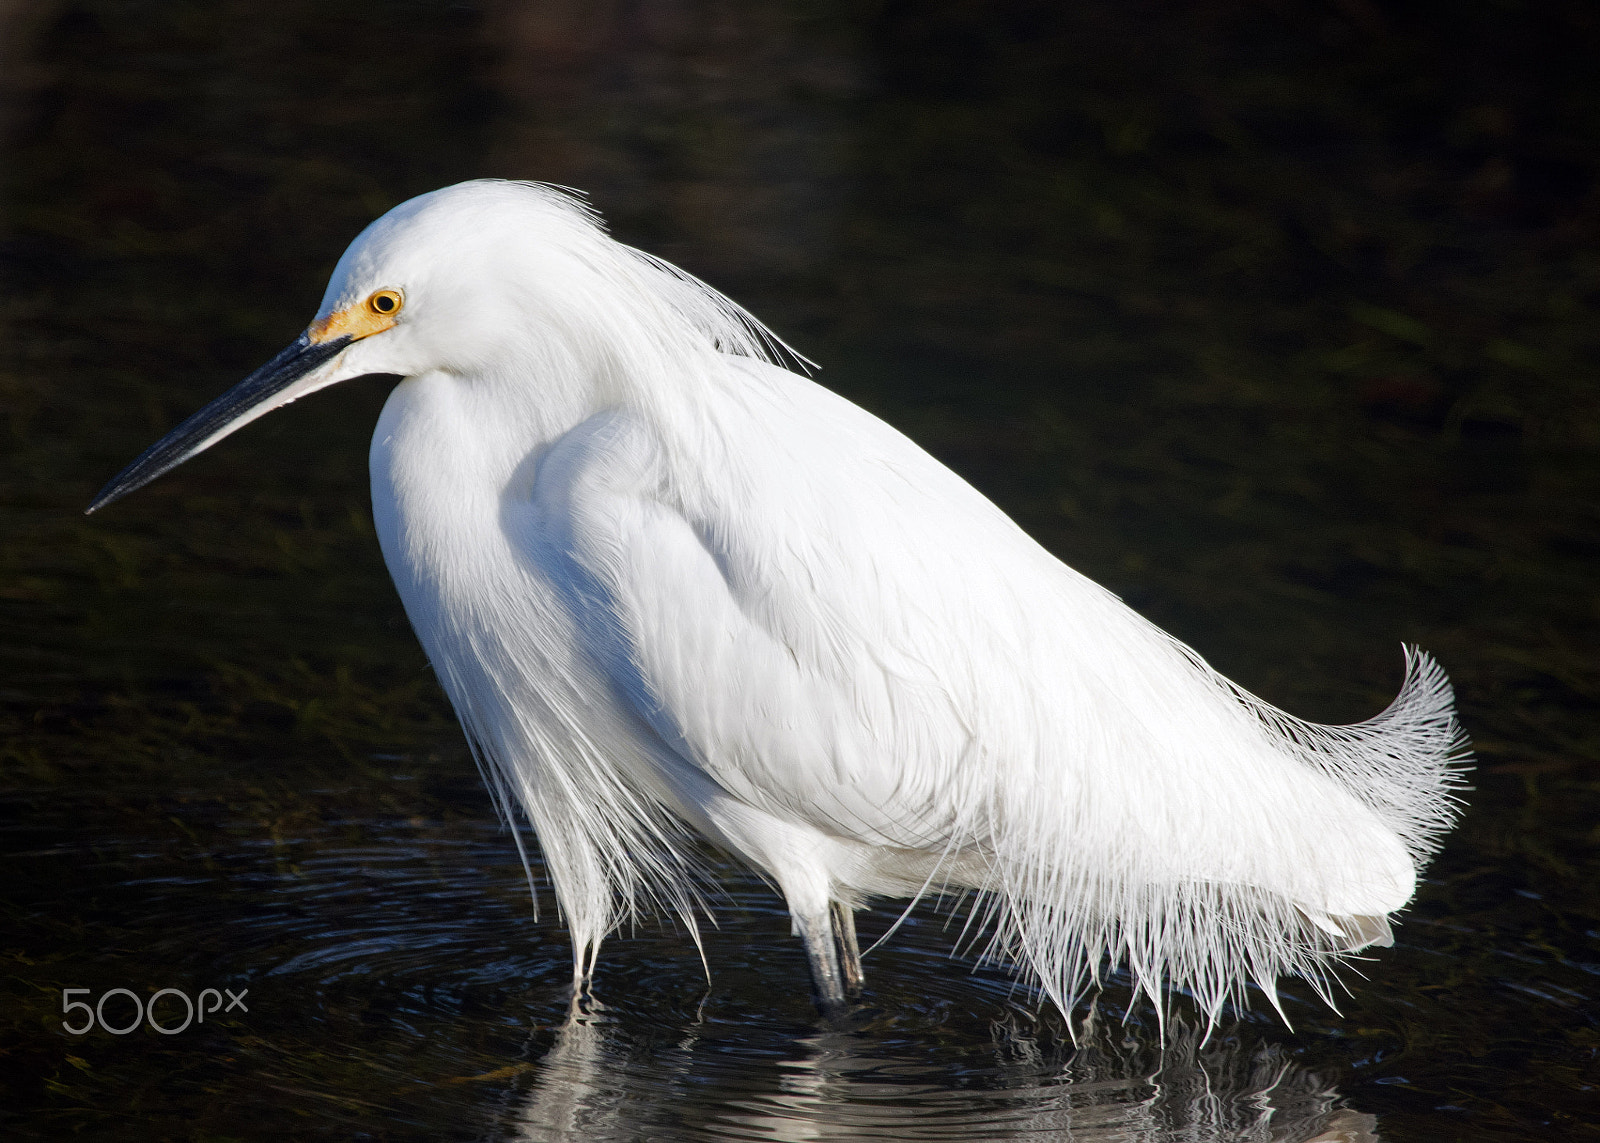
point(1358, 810)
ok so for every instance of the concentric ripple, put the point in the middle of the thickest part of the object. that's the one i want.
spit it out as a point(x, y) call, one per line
point(399, 985)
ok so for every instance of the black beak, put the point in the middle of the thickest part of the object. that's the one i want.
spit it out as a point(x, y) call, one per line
point(243, 403)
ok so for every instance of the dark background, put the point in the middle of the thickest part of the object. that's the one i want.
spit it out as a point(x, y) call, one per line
point(1279, 319)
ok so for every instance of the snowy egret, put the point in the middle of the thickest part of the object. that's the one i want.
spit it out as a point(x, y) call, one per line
point(671, 587)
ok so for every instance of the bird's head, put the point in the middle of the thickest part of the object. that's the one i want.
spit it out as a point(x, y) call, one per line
point(440, 283)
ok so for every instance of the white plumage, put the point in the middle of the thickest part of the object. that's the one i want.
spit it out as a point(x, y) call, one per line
point(672, 588)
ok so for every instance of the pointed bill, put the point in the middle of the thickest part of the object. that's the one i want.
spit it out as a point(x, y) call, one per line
point(261, 392)
point(291, 374)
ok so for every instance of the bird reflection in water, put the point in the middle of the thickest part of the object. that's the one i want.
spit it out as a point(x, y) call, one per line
point(593, 1085)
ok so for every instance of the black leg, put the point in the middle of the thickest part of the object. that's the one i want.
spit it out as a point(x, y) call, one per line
point(844, 932)
point(822, 953)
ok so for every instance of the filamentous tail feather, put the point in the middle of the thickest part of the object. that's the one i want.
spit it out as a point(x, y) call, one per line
point(1067, 927)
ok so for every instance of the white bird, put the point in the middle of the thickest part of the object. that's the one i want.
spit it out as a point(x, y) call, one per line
point(671, 588)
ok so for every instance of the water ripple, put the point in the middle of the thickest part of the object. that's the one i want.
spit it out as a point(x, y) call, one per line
point(396, 963)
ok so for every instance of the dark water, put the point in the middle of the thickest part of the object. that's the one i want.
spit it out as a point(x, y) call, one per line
point(1279, 320)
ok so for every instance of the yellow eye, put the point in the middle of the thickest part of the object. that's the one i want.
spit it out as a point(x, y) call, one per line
point(386, 303)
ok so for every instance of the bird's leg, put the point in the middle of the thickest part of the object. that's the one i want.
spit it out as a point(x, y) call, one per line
point(822, 953)
point(844, 933)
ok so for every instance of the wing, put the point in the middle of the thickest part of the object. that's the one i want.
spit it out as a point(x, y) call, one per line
point(762, 626)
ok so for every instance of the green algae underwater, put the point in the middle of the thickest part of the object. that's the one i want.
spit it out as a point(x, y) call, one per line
point(1280, 320)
